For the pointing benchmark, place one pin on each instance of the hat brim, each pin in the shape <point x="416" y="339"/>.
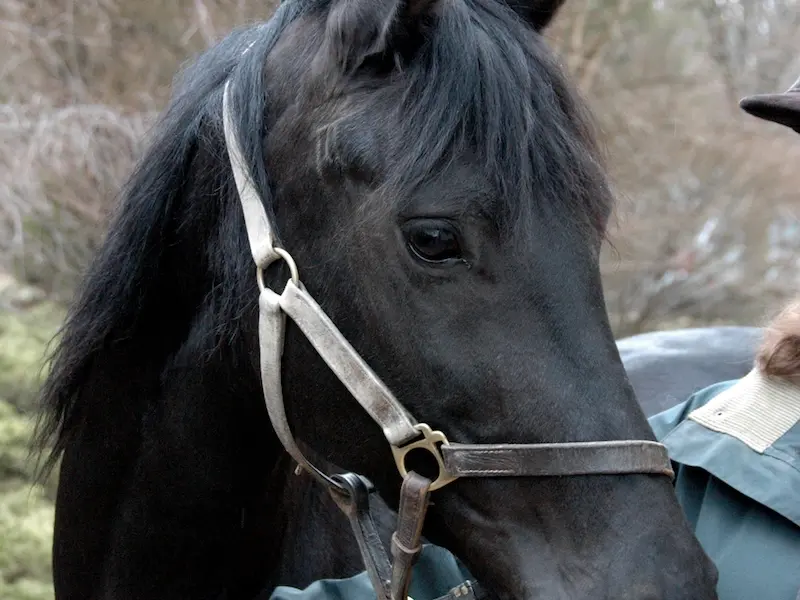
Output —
<point x="783" y="109"/>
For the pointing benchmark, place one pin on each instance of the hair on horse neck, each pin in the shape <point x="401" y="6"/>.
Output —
<point x="127" y="284"/>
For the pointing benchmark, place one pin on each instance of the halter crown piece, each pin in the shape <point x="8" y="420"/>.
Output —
<point x="391" y="578"/>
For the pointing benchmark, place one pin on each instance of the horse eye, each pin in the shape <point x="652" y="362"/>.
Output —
<point x="433" y="241"/>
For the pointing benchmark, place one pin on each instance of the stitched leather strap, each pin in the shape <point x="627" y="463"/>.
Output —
<point x="271" y="329"/>
<point x="617" y="457"/>
<point x="406" y="547"/>
<point x="362" y="382"/>
<point x="391" y="582"/>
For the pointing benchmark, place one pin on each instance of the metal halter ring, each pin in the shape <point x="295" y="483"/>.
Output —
<point x="287" y="258"/>
<point x="428" y="442"/>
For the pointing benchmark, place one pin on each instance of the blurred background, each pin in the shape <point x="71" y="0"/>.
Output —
<point x="706" y="230"/>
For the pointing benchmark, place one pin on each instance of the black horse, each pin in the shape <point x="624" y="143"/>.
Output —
<point x="437" y="181"/>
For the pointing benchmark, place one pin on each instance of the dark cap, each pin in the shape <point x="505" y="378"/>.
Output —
<point x="783" y="109"/>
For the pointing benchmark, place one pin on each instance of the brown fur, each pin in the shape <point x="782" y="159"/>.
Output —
<point x="779" y="354"/>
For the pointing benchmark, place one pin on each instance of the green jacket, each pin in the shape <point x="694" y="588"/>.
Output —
<point x="736" y="452"/>
<point x="436" y="572"/>
<point x="736" y="449"/>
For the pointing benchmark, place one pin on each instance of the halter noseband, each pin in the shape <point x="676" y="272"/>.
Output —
<point x="402" y="431"/>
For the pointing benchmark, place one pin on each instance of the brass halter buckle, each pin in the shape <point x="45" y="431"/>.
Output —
<point x="429" y="442"/>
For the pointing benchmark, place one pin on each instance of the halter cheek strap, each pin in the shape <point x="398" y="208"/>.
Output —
<point x="401" y="430"/>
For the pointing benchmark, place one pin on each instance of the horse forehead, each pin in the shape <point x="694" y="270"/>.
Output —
<point x="463" y="184"/>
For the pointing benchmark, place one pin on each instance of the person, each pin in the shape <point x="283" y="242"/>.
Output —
<point x="735" y="448"/>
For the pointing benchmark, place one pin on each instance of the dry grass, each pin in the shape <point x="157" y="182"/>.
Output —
<point x="58" y="168"/>
<point x="80" y="81"/>
<point x="703" y="187"/>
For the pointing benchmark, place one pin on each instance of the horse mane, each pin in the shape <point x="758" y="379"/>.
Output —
<point x="779" y="353"/>
<point x="138" y="299"/>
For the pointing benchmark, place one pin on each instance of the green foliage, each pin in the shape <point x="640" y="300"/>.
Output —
<point x="26" y="514"/>
<point x="26" y="508"/>
<point x="26" y="529"/>
<point x="15" y="430"/>
<point x="24" y="336"/>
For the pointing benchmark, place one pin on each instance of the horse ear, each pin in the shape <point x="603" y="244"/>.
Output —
<point x="359" y="29"/>
<point x="538" y="13"/>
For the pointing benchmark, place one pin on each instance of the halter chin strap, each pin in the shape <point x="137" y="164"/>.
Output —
<point x="401" y="430"/>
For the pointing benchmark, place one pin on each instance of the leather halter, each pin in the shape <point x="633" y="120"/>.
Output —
<point x="401" y="430"/>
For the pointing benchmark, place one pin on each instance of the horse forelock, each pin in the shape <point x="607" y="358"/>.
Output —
<point x="481" y="83"/>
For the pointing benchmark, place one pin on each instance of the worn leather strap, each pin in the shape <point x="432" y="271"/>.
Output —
<point x="460" y="460"/>
<point x="406" y="546"/>
<point x="259" y="230"/>
<point x="271" y="330"/>
<point x="354" y="503"/>
<point x="617" y="457"/>
<point x="362" y="382"/>
<point x="341" y="357"/>
<point x="352" y="497"/>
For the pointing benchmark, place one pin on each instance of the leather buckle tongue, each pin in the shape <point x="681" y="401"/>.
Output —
<point x="430" y="441"/>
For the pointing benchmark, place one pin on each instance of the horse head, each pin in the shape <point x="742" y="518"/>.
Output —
<point x="435" y="179"/>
